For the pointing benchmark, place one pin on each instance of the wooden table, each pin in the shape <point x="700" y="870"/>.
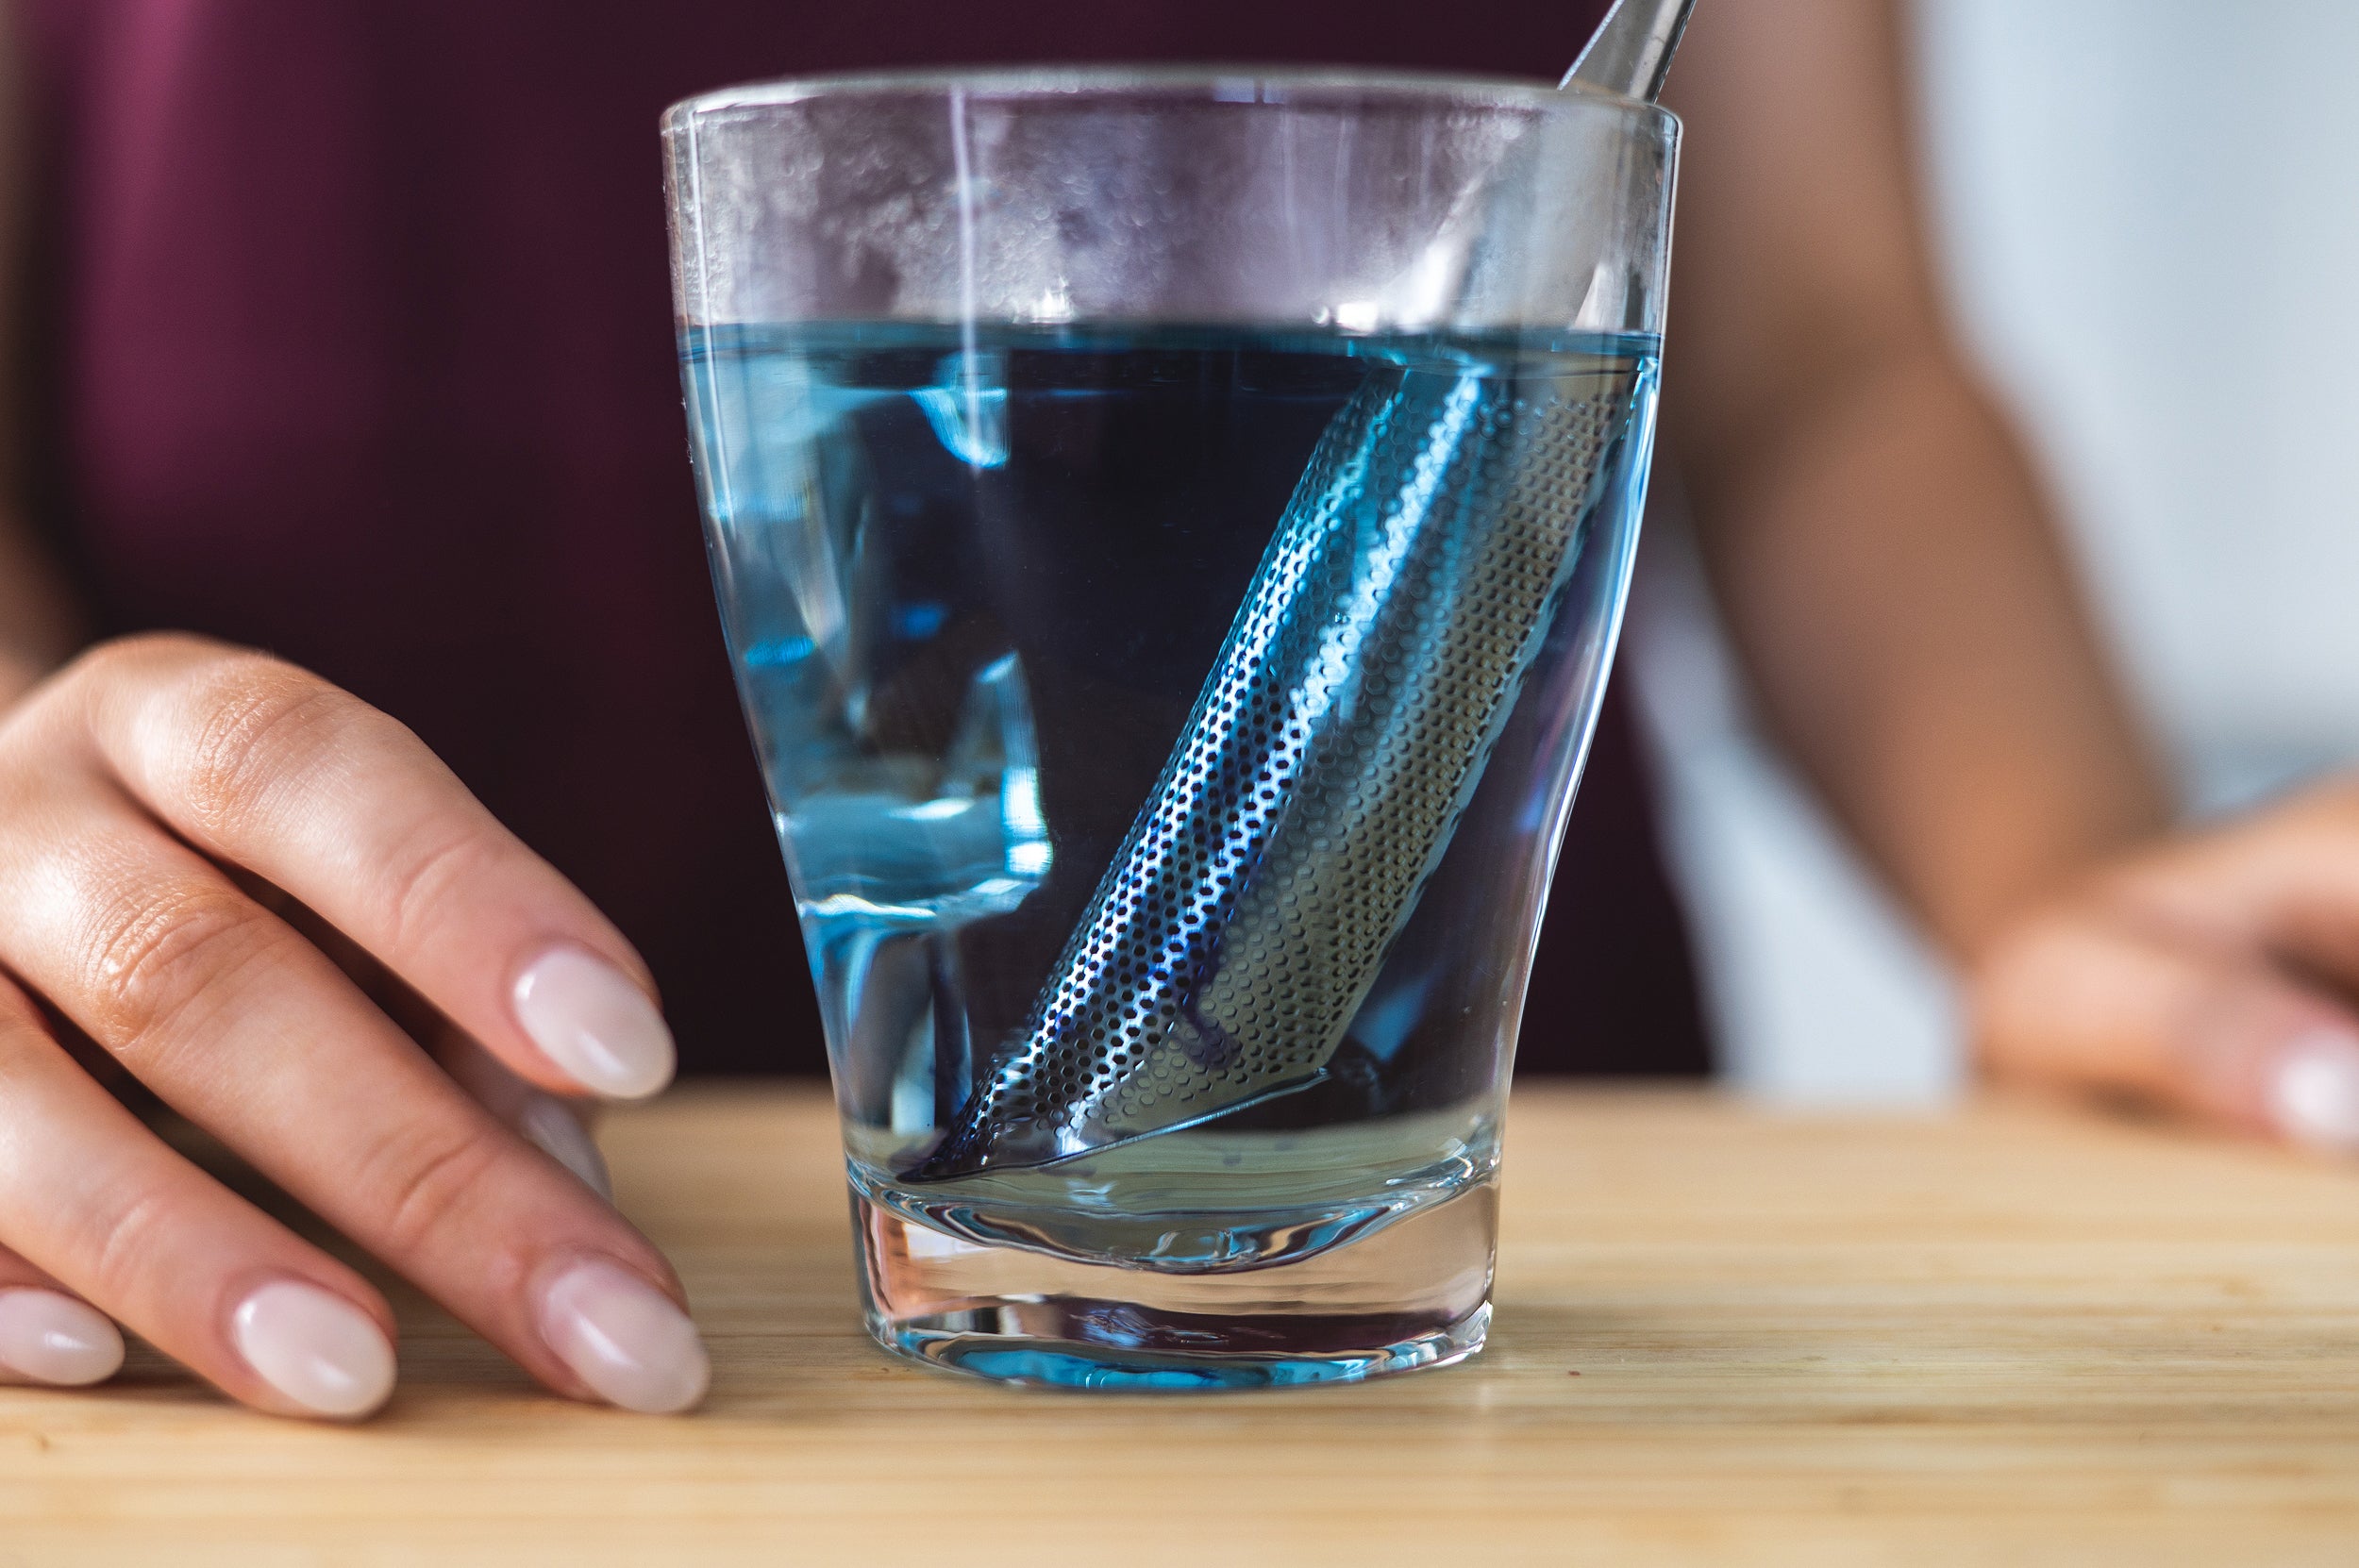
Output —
<point x="1725" y="1336"/>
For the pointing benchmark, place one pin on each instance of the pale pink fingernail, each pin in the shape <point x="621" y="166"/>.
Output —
<point x="558" y="1133"/>
<point x="2314" y="1093"/>
<point x="625" y="1338"/>
<point x="315" y="1347"/>
<point x="51" y="1338"/>
<point x="597" y="1026"/>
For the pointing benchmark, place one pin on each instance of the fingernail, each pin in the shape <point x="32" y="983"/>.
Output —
<point x="625" y="1338"/>
<point x="316" y="1348"/>
<point x="55" y="1339"/>
<point x="588" y="1019"/>
<point x="558" y="1133"/>
<point x="2315" y="1093"/>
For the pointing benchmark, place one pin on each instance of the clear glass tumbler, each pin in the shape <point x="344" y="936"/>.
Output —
<point x="1171" y="529"/>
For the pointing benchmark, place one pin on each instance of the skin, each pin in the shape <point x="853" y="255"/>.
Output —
<point x="216" y="869"/>
<point x="213" y="867"/>
<point x="1896" y="587"/>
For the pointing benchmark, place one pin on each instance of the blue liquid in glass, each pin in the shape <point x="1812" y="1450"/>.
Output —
<point x="973" y="586"/>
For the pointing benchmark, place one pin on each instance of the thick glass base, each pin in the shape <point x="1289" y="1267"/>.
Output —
<point x="1415" y="1293"/>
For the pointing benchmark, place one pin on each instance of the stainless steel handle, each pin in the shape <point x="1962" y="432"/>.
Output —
<point x="1631" y="55"/>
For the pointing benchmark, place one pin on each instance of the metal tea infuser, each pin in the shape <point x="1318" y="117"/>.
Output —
<point x="1343" y="727"/>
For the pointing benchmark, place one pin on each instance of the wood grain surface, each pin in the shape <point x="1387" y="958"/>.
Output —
<point x="2001" y="1335"/>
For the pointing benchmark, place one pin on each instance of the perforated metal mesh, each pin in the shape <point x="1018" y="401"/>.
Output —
<point x="1343" y="727"/>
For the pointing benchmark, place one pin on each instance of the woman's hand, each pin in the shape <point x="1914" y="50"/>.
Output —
<point x="2214" y="975"/>
<point x="174" y="815"/>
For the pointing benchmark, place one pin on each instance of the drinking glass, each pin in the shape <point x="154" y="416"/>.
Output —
<point x="1171" y="529"/>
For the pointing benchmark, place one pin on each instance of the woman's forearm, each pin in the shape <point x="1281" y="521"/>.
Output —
<point x="1876" y="539"/>
<point x="41" y="625"/>
<point x="1915" y="637"/>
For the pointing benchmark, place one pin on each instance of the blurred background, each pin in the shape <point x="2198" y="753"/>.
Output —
<point x="2150" y="217"/>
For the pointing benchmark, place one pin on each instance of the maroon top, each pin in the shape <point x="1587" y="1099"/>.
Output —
<point x="360" y="353"/>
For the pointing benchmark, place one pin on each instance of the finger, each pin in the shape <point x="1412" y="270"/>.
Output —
<point x="251" y="1032"/>
<point x="559" y="1129"/>
<point x="262" y="764"/>
<point x="48" y="1334"/>
<point x="2087" y="1000"/>
<point x="2285" y="883"/>
<point x="93" y="1202"/>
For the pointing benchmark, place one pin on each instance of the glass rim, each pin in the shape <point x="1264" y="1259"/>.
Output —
<point x="1212" y="82"/>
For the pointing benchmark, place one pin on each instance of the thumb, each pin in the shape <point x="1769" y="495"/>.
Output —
<point x="2089" y="1000"/>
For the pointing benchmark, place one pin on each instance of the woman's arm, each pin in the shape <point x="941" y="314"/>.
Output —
<point x="37" y="619"/>
<point x="261" y="899"/>
<point x="1899" y="592"/>
<point x="1886" y="561"/>
<point x="39" y="623"/>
